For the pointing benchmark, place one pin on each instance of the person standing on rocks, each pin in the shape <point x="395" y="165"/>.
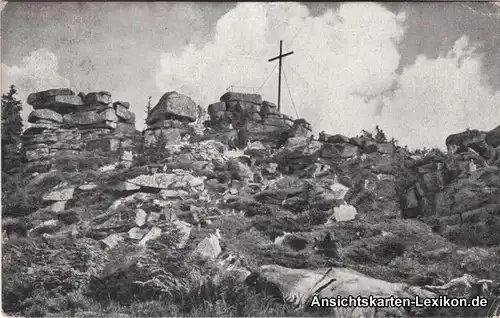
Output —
<point x="242" y="137"/>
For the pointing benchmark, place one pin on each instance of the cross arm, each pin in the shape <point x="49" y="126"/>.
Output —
<point x="280" y="56"/>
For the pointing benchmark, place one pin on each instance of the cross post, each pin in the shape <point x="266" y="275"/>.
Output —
<point x="280" y="56"/>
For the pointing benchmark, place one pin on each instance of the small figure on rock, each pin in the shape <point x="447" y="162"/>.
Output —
<point x="242" y="137"/>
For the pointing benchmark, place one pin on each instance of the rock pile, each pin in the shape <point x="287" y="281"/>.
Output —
<point x="261" y="119"/>
<point x="170" y="119"/>
<point x="64" y="124"/>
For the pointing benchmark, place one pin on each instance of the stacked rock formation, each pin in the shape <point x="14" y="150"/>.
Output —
<point x="261" y="119"/>
<point x="170" y="119"/>
<point x="64" y="124"/>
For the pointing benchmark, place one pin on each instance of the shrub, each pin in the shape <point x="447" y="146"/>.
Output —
<point x="18" y="199"/>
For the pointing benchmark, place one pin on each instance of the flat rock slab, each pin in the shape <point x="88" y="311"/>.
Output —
<point x="63" y="193"/>
<point x="87" y="187"/>
<point x="233" y="96"/>
<point x="90" y="117"/>
<point x="124" y="186"/>
<point x="45" y="114"/>
<point x="40" y="96"/>
<point x="173" y="194"/>
<point x="62" y="103"/>
<point x="168" y="181"/>
<point x="102" y="97"/>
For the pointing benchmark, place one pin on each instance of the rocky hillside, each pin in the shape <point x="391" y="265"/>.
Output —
<point x="243" y="214"/>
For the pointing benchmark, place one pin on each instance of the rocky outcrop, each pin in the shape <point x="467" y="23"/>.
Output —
<point x="260" y="119"/>
<point x="459" y="189"/>
<point x="474" y="140"/>
<point x="66" y="124"/>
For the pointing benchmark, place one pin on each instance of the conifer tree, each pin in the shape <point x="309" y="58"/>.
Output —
<point x="148" y="108"/>
<point x="12" y="128"/>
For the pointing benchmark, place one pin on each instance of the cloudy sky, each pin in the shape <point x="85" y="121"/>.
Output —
<point x="419" y="70"/>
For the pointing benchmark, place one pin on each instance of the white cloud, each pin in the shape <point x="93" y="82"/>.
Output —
<point x="352" y="50"/>
<point x="37" y="72"/>
<point x="439" y="97"/>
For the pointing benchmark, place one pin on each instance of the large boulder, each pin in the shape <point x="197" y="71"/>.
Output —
<point x="492" y="138"/>
<point x="269" y="110"/>
<point x="338" y="150"/>
<point x="300" y="286"/>
<point x="124" y="114"/>
<point x="239" y="170"/>
<point x="45" y="114"/>
<point x="384" y="148"/>
<point x="209" y="247"/>
<point x="217" y="107"/>
<point x="337" y="139"/>
<point x="123" y="104"/>
<point x="90" y="117"/>
<point x="173" y="105"/>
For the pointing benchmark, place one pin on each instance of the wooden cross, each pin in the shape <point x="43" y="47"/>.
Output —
<point x="279" y="78"/>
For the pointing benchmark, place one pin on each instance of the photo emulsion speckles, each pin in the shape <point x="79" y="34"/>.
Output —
<point x="262" y="159"/>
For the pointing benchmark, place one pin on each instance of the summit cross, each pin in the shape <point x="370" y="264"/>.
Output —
<point x="280" y="56"/>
